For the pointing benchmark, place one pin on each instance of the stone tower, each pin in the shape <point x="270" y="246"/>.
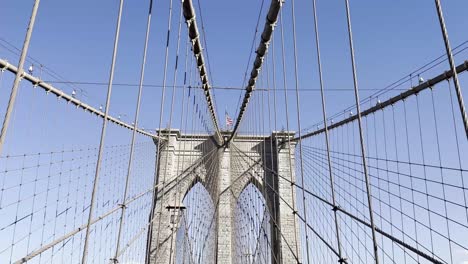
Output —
<point x="183" y="162"/>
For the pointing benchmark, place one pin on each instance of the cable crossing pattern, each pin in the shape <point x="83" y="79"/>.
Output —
<point x="139" y="169"/>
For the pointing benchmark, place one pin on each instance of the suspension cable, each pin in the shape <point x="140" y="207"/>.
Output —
<point x="189" y="14"/>
<point x="361" y="133"/>
<point x="103" y="135"/>
<point x="19" y="74"/>
<point x="135" y="125"/>
<point x="327" y="141"/>
<point x="448" y="49"/>
<point x="262" y="49"/>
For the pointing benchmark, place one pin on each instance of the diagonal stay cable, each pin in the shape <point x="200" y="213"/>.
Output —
<point x="19" y="74"/>
<point x="269" y="186"/>
<point x="394" y="239"/>
<point x="299" y="216"/>
<point x="238" y="164"/>
<point x="400" y="97"/>
<point x="37" y="82"/>
<point x="111" y="211"/>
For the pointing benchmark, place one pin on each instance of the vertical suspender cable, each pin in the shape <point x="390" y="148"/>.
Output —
<point x="327" y="141"/>
<point x="452" y="65"/>
<point x="171" y="113"/>
<point x="19" y="74"/>
<point x="283" y="59"/>
<point x="180" y="164"/>
<point x="135" y="125"/>
<point x="361" y="134"/>
<point x="161" y="113"/>
<point x="158" y="148"/>
<point x="299" y="124"/>
<point x="270" y="128"/>
<point x="103" y="135"/>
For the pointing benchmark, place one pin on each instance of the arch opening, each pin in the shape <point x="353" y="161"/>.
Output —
<point x="252" y="226"/>
<point x="196" y="233"/>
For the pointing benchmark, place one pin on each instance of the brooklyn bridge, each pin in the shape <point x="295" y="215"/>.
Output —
<point x="277" y="131"/>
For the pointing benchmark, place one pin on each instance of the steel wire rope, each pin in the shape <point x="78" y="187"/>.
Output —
<point x="18" y="76"/>
<point x="250" y="53"/>
<point x="288" y="138"/>
<point x="135" y="122"/>
<point x="396" y="209"/>
<point x="361" y="136"/>
<point x="103" y="133"/>
<point x="393" y="86"/>
<point x="451" y="61"/>
<point x="158" y="148"/>
<point x="239" y="165"/>
<point x="439" y="156"/>
<point x="324" y="114"/>
<point x="303" y="220"/>
<point x="174" y="81"/>
<point x="275" y="191"/>
<point x="458" y="151"/>
<point x="181" y="125"/>
<point x="394" y="239"/>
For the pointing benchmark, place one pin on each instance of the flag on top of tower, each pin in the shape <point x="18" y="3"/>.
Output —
<point x="229" y="121"/>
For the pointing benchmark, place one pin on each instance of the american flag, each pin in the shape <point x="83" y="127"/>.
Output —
<point x="228" y="120"/>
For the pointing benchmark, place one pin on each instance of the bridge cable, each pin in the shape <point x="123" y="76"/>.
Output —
<point x="158" y="145"/>
<point x="343" y="172"/>
<point x="19" y="74"/>
<point x="181" y="177"/>
<point x="181" y="125"/>
<point x="135" y="125"/>
<point x="439" y="160"/>
<point x="298" y="116"/>
<point x="290" y="207"/>
<point x="261" y="103"/>
<point x="452" y="65"/>
<point x="172" y="102"/>
<point x="390" y="236"/>
<point x="327" y="141"/>
<point x="252" y="46"/>
<point x="103" y="135"/>
<point x="242" y="175"/>
<point x="255" y="122"/>
<point x="258" y="219"/>
<point x="361" y="135"/>
<point x="400" y="243"/>
<point x="189" y="14"/>
<point x="169" y="127"/>
<point x="270" y="128"/>
<point x="393" y="238"/>
<point x="292" y="178"/>
<point x="459" y="159"/>
<point x="150" y="223"/>
<point x="255" y="225"/>
<point x="71" y="99"/>
<point x="414" y="90"/>
<point x="275" y="141"/>
<point x="265" y="148"/>
<point x="199" y="235"/>
<point x="397" y="169"/>
<point x="262" y="49"/>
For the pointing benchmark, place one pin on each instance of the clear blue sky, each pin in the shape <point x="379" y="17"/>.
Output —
<point x="75" y="39"/>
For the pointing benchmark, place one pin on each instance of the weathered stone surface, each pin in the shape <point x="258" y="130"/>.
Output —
<point x="183" y="162"/>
